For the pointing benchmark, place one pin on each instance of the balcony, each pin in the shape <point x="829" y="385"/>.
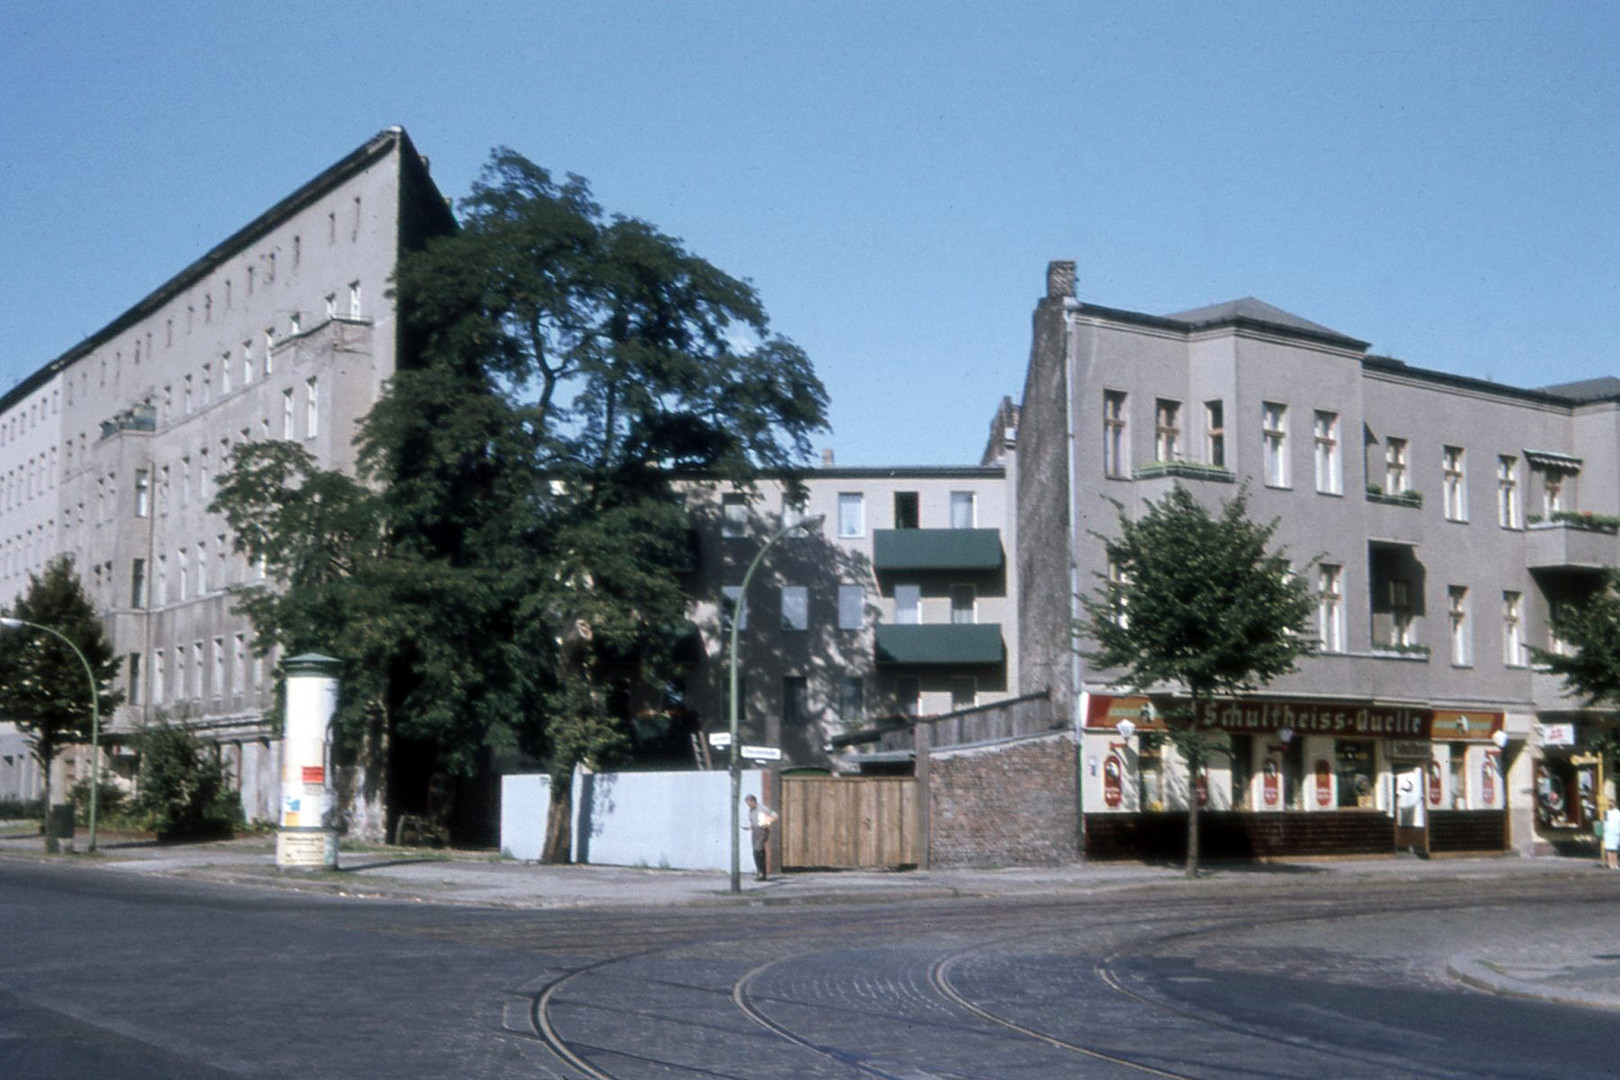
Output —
<point x="1572" y="542"/>
<point x="1183" y="470"/>
<point x="1411" y="499"/>
<point x="936" y="549"/>
<point x="939" y="644"/>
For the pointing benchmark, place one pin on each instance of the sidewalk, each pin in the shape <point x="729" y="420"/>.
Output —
<point x="1548" y="963"/>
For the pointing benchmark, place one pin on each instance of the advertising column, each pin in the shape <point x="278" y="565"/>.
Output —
<point x="307" y="839"/>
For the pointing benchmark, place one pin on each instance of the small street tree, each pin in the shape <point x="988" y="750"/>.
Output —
<point x="1196" y="602"/>
<point x="43" y="689"/>
<point x="1590" y="665"/>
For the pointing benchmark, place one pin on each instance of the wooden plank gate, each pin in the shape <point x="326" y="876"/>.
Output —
<point x="850" y="823"/>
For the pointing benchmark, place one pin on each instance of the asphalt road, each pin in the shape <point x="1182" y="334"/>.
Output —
<point x="107" y="975"/>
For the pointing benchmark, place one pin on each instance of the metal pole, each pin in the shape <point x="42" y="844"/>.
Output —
<point x="95" y="719"/>
<point x="736" y="757"/>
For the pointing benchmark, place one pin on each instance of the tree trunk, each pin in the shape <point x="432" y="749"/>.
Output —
<point x="559" y="818"/>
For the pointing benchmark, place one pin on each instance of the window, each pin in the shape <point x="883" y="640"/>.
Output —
<point x="161" y="593"/>
<point x="312" y="408"/>
<point x="905" y="510"/>
<point x="1462" y="648"/>
<point x="219" y="666"/>
<point x="247" y="361"/>
<point x="1552" y="494"/>
<point x="795" y="607"/>
<point x="160" y="687"/>
<point x="1330" y="607"/>
<point x="198" y="672"/>
<point x="1400" y="610"/>
<point x="224" y="374"/>
<point x="731" y="598"/>
<point x="734" y="515"/>
<point x="182" y="688"/>
<point x="331" y="305"/>
<point x="269" y="345"/>
<point x="851" y="514"/>
<point x="962" y="604"/>
<point x="354" y="299"/>
<point x="202" y="568"/>
<point x="1118" y="579"/>
<point x="962" y="510"/>
<point x="137" y="585"/>
<point x="795" y="702"/>
<point x="851" y="607"/>
<point x="1215" y="432"/>
<point x="1512" y="630"/>
<point x="287" y="413"/>
<point x="185" y="572"/>
<point x="1454" y="490"/>
<point x="186" y="395"/>
<point x="207" y="383"/>
<point x="133" y="683"/>
<point x="239" y="664"/>
<point x="1115" y="446"/>
<point x="792" y="510"/>
<point x="907" y="694"/>
<point x="851" y="701"/>
<point x="163" y="490"/>
<point x="964" y="692"/>
<point x="1329" y="471"/>
<point x="1274" y="442"/>
<point x="295" y="323"/>
<point x="1166" y="430"/>
<point x="143" y="492"/>
<point x="1507" y="492"/>
<point x="1395" y="466"/>
<point x="908" y="604"/>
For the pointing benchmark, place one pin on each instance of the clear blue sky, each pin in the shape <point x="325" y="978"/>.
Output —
<point x="1437" y="178"/>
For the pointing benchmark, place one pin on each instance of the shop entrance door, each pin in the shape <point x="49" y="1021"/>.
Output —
<point x="1411" y="823"/>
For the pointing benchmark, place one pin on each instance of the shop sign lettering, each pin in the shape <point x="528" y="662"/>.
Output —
<point x="1557" y="734"/>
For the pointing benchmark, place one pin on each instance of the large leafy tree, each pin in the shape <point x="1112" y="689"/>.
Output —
<point x="515" y="541"/>
<point x="1200" y="603"/>
<point x="1590" y="665"/>
<point x="43" y="686"/>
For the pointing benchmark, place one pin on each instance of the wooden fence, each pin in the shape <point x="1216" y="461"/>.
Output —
<point x="850" y="823"/>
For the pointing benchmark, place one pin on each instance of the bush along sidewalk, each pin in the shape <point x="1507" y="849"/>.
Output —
<point x="184" y="793"/>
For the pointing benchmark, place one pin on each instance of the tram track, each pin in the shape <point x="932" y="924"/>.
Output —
<point x="829" y="935"/>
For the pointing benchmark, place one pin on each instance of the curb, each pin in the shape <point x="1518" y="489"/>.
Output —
<point x="1471" y="971"/>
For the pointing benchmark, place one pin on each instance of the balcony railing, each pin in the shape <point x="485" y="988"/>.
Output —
<point x="1377" y="494"/>
<point x="1184" y="470"/>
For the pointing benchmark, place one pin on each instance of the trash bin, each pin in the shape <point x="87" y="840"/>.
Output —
<point x="59" y="822"/>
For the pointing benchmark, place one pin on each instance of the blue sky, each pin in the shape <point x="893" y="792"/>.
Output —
<point x="1436" y="178"/>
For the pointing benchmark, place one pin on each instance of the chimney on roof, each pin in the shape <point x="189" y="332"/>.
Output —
<point x="1059" y="278"/>
<point x="827" y="458"/>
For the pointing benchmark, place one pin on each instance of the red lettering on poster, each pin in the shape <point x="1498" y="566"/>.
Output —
<point x="1269" y="784"/>
<point x="1324" y="783"/>
<point x="314" y="774"/>
<point x="1432" y="773"/>
<point x="1487" y="778"/>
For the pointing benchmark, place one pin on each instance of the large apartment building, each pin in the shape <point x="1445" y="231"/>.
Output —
<point x="1448" y="517"/>
<point x="109" y="452"/>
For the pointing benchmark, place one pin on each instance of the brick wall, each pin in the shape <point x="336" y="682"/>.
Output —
<point x="1009" y="804"/>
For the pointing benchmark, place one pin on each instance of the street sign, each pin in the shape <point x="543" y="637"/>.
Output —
<point x="761" y="753"/>
<point x="719" y="739"/>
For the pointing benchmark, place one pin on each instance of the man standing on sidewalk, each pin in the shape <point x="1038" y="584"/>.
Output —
<point x="760" y="820"/>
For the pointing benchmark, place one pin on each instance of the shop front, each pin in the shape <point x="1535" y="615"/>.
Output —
<point x="1293" y="777"/>
<point x="1572" y="787"/>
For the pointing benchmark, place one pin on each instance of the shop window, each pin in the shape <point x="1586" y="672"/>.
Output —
<point x="1241" y="765"/>
<point x="1457" y="795"/>
<point x="1353" y="767"/>
<point x="1150" y="772"/>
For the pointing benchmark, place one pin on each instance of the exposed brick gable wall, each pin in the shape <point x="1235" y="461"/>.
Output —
<point x="1008" y="804"/>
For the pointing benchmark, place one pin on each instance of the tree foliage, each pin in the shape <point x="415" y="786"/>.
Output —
<point x="183" y="791"/>
<point x="1590" y="666"/>
<point x="43" y="686"/>
<point x="1200" y="603"/>
<point x="515" y="539"/>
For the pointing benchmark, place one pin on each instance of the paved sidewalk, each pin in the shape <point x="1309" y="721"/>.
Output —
<point x="1551" y="963"/>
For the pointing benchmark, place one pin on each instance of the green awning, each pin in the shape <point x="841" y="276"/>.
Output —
<point x="936" y="549"/>
<point x="939" y="643"/>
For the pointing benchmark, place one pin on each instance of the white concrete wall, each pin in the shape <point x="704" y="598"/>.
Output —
<point x="669" y="820"/>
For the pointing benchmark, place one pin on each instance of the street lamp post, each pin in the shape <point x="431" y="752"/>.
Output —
<point x="95" y="719"/>
<point x="735" y="750"/>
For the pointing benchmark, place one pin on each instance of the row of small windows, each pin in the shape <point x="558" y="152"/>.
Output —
<point x="1395" y="614"/>
<point x="35" y="477"/>
<point x="29" y="416"/>
<point x="851" y="512"/>
<point x="217" y="669"/>
<point x="26" y="552"/>
<point x="199" y="570"/>
<point x="851" y="614"/>
<point x="1327" y="447"/>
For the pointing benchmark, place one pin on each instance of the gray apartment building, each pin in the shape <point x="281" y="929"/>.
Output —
<point x="897" y="602"/>
<point x="1448" y="517"/>
<point x="109" y="452"/>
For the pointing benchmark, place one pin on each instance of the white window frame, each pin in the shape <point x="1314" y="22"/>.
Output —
<point x="1397" y="474"/>
<point x="1329" y="461"/>
<point x="1507" y="492"/>
<point x="1274" y="442"/>
<point x="795" y="608"/>
<point x="907" y="604"/>
<point x="851" y="514"/>
<point x="1454" y="482"/>
<point x="1513" y="654"/>
<point x="1330" y="607"/>
<point x="312" y="407"/>
<point x="1461" y="627"/>
<point x="964" y="510"/>
<point x="1215" y="432"/>
<point x="1166" y="429"/>
<point x="1116" y="431"/>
